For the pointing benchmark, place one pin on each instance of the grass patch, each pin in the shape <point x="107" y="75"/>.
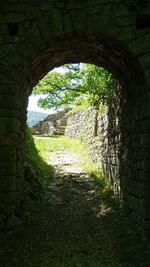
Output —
<point x="45" y="145"/>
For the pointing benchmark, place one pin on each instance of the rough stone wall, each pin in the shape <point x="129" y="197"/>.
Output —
<point x="36" y="36"/>
<point x="115" y="150"/>
<point x="94" y="128"/>
<point x="53" y="123"/>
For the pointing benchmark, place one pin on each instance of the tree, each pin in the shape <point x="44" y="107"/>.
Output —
<point x="77" y="82"/>
<point x="60" y="89"/>
<point x="99" y="84"/>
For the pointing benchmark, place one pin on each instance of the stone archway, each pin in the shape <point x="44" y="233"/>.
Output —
<point x="39" y="36"/>
<point x="110" y="54"/>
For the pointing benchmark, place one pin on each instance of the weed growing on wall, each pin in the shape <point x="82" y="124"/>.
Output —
<point x="37" y="173"/>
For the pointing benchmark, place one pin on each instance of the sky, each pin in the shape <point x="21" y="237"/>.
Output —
<point x="32" y="105"/>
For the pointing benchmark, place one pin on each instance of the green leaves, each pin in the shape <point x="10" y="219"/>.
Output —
<point x="77" y="81"/>
<point x="100" y="85"/>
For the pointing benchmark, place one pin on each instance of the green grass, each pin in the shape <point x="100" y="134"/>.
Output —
<point x="45" y="145"/>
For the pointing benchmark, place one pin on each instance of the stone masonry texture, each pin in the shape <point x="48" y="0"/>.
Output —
<point x="35" y="37"/>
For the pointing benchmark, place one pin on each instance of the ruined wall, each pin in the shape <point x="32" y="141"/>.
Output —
<point x="93" y="127"/>
<point x="53" y="124"/>
<point x="111" y="146"/>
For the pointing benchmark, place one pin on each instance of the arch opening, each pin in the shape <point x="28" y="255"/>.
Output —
<point x="102" y="51"/>
<point x="108" y="53"/>
<point x="92" y="117"/>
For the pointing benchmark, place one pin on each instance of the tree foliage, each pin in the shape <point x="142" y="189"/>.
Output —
<point x="77" y="83"/>
<point x="99" y="84"/>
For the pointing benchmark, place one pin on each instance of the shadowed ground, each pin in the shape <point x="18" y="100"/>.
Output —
<point x="80" y="225"/>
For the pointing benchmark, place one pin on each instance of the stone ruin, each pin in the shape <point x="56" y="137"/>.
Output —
<point x="53" y="124"/>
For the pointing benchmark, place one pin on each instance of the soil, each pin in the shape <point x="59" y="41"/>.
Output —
<point x="77" y="226"/>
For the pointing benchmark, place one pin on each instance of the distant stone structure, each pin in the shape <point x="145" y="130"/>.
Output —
<point x="52" y="124"/>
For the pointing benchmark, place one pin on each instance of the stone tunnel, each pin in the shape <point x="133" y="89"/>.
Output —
<point x="35" y="37"/>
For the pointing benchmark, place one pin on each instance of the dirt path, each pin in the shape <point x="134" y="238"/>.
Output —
<point x="76" y="227"/>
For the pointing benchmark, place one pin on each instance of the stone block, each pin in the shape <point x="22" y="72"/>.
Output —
<point x="11" y="113"/>
<point x="16" y="60"/>
<point x="8" y="197"/>
<point x="45" y="5"/>
<point x="11" y="141"/>
<point x="5" y="50"/>
<point x="3" y="28"/>
<point x="10" y="101"/>
<point x="126" y="21"/>
<point x="140" y="45"/>
<point x="8" y="168"/>
<point x="7" y="154"/>
<point x="57" y="22"/>
<point x="33" y="35"/>
<point x="8" y="183"/>
<point x="74" y="5"/>
<point x="8" y="208"/>
<point x="136" y="204"/>
<point x="13" y="17"/>
<point x="147" y="74"/>
<point x="9" y="125"/>
<point x="145" y="110"/>
<point x="23" y="51"/>
<point x="127" y="34"/>
<point x="33" y="12"/>
<point x="136" y="188"/>
<point x="145" y="153"/>
<point x="67" y="23"/>
<point x="144" y="60"/>
<point x="78" y="18"/>
<point x="45" y="29"/>
<point x="145" y="140"/>
<point x="120" y="10"/>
